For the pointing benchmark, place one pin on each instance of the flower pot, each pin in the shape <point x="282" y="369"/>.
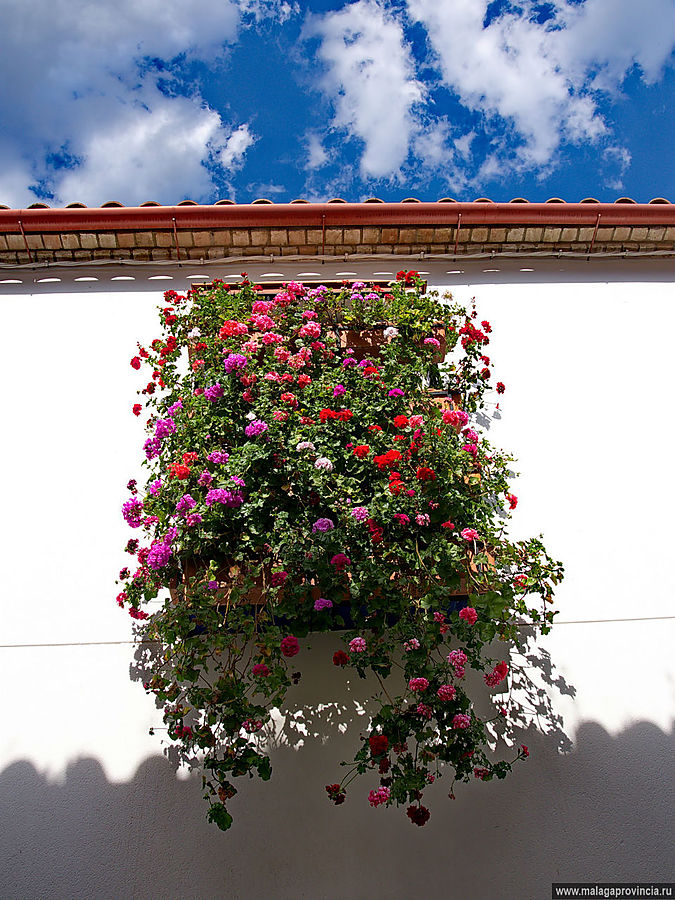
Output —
<point x="228" y="576"/>
<point x="474" y="570"/>
<point x="445" y="400"/>
<point x="365" y="343"/>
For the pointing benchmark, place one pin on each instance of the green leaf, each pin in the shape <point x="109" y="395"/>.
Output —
<point x="219" y="816"/>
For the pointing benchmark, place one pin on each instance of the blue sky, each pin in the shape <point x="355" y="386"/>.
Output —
<point x="171" y="99"/>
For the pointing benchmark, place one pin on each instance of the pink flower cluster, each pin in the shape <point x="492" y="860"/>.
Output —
<point x="461" y="721"/>
<point x="357" y="645"/>
<point x="469" y="615"/>
<point x="458" y="660"/>
<point x="376" y="798"/>
<point x="446" y="693"/>
<point x="417" y="685"/>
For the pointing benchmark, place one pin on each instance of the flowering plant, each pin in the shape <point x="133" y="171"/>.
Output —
<point x="295" y="488"/>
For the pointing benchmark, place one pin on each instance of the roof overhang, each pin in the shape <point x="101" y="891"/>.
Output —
<point x="227" y="231"/>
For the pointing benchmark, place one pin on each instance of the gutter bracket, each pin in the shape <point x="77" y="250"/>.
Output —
<point x="25" y="241"/>
<point x="175" y="237"/>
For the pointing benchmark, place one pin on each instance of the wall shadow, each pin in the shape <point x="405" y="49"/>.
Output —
<point x="601" y="811"/>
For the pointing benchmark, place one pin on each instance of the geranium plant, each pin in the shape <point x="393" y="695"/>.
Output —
<point x="294" y="487"/>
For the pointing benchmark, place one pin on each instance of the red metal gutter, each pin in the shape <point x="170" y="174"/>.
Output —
<point x="326" y="215"/>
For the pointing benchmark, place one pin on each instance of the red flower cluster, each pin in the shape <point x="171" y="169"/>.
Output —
<point x="135" y="363"/>
<point x="388" y="459"/>
<point x="336" y="794"/>
<point x="289" y="646"/>
<point x="379" y="744"/>
<point x="376" y="532"/>
<point x="472" y="335"/>
<point x="419" y="815"/>
<point x="231" y="327"/>
<point x="178" y="470"/>
<point x="342" y="415"/>
<point x="407" y="277"/>
<point x="497" y="675"/>
<point x="500" y="387"/>
<point x="361" y="451"/>
<point x="425" y="474"/>
<point x="340" y="658"/>
<point x="170" y="347"/>
<point x="400" y="421"/>
<point x="137" y="409"/>
<point x="395" y="483"/>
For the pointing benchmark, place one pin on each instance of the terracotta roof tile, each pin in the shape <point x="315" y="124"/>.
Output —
<point x="226" y="230"/>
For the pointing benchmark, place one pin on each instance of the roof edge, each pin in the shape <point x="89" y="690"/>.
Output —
<point x="313" y="215"/>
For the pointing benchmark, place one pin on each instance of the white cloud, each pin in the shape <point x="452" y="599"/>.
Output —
<point x="509" y="70"/>
<point x="316" y="152"/>
<point x="541" y="79"/>
<point x="370" y="79"/>
<point x="232" y="154"/>
<point x="610" y="36"/>
<point x="77" y="90"/>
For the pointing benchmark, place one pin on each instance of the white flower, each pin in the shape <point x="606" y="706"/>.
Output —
<point x="305" y="445"/>
<point x="324" y="463"/>
<point x="390" y="332"/>
<point x="250" y="416"/>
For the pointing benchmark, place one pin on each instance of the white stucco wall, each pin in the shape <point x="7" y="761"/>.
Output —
<point x="90" y="807"/>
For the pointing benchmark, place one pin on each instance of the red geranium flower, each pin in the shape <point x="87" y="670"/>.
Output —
<point x="388" y="458"/>
<point x="361" y="451"/>
<point x="419" y="815"/>
<point x="177" y="470"/>
<point x="135" y="363"/>
<point x="137" y="409"/>
<point x="340" y="658"/>
<point x="379" y="744"/>
<point x="290" y="646"/>
<point x="501" y="387"/>
<point x="425" y="474"/>
<point x="400" y="421"/>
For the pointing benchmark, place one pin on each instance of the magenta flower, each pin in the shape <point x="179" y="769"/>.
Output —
<point x="323" y="525"/>
<point x="469" y="534"/>
<point x="233" y="362"/>
<point x="132" y="510"/>
<point x="360" y="513"/>
<point x="322" y="603"/>
<point x="256" y="428"/>
<point x="340" y="561"/>
<point x="214" y="392"/>
<point x="417" y="685"/>
<point x="185" y="503"/>
<point x="218" y="456"/>
<point x="357" y="645"/>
